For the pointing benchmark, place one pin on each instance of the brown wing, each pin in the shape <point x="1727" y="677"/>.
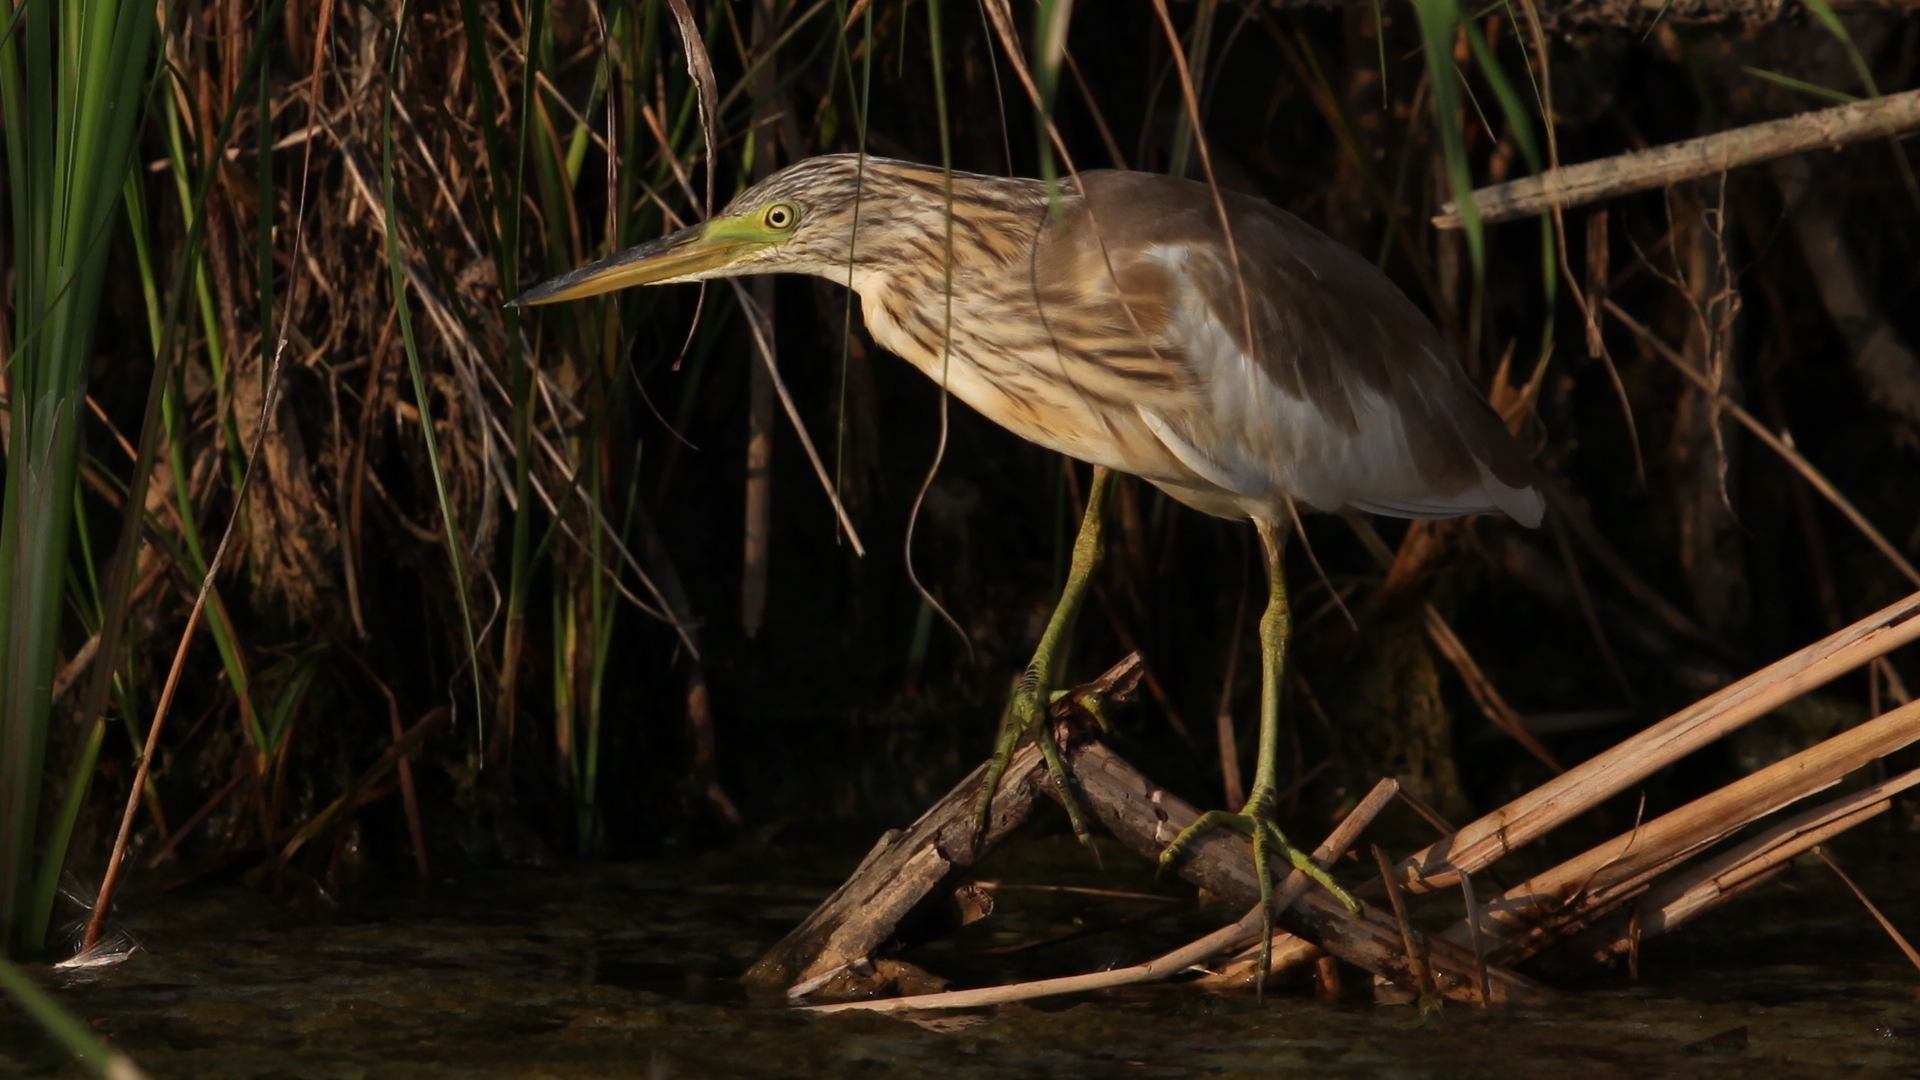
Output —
<point x="1340" y="350"/>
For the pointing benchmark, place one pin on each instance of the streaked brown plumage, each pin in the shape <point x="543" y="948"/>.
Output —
<point x="1350" y="398"/>
<point x="1107" y="324"/>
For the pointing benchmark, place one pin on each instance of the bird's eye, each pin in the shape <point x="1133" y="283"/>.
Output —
<point x="781" y="216"/>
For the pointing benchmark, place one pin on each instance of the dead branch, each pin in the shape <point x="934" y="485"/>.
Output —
<point x="1164" y="967"/>
<point x="1146" y="817"/>
<point x="905" y="867"/>
<point x="1661" y="166"/>
<point x="902" y="870"/>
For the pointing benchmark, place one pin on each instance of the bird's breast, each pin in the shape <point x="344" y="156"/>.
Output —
<point x="1026" y="369"/>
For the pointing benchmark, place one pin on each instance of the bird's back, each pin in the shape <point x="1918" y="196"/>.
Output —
<point x="1131" y="350"/>
<point x="1333" y="388"/>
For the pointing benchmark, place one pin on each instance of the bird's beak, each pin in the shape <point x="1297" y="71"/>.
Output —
<point x="687" y="255"/>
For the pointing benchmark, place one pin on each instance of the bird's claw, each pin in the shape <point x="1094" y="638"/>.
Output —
<point x="1253" y="823"/>
<point x="1265" y="836"/>
<point x="1026" y="716"/>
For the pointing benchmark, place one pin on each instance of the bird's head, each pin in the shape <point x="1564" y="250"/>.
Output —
<point x="799" y="220"/>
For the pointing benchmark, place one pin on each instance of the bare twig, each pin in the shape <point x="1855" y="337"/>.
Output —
<point x="1492" y="704"/>
<point x="1774" y="442"/>
<point x="1885" y="923"/>
<point x="1661" y="166"/>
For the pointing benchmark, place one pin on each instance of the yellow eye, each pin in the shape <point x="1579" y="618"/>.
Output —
<point x="781" y="216"/>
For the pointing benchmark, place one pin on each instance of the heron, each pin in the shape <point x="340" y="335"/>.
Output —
<point x="1207" y="342"/>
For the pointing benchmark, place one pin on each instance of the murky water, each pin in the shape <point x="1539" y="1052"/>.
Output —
<point x="628" y="970"/>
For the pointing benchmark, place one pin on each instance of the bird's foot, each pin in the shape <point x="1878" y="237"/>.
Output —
<point x="1255" y="821"/>
<point x="1026" y="715"/>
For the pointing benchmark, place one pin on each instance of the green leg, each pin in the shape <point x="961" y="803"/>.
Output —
<point x="1256" y="818"/>
<point x="1033" y="691"/>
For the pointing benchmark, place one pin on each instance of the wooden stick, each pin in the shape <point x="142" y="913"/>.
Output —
<point x="1599" y="778"/>
<point x="1164" y="967"/>
<point x="1699" y="889"/>
<point x="1551" y="906"/>
<point x="1774" y="442"/>
<point x="1661" y="166"/>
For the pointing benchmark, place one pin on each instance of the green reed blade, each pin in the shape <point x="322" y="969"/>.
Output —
<point x="1521" y="122"/>
<point x="1439" y="19"/>
<point x="71" y="90"/>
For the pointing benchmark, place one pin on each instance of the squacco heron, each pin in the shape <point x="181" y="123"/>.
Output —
<point x="1105" y="321"/>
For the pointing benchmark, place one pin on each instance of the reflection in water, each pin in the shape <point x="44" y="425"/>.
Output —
<point x="629" y="970"/>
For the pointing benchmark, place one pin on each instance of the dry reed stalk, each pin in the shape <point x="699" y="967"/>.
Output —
<point x="1493" y="704"/>
<point x="1161" y="968"/>
<point x="1558" y="903"/>
<point x="1580" y="523"/>
<point x="1755" y="861"/>
<point x="416" y="832"/>
<point x="352" y="798"/>
<point x="103" y="898"/>
<point x="1579" y="789"/>
<point x="1484" y="841"/>
<point x="758" y="541"/>
<point x="1662" y="166"/>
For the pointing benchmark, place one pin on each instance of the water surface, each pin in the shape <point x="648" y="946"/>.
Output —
<point x="628" y="969"/>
